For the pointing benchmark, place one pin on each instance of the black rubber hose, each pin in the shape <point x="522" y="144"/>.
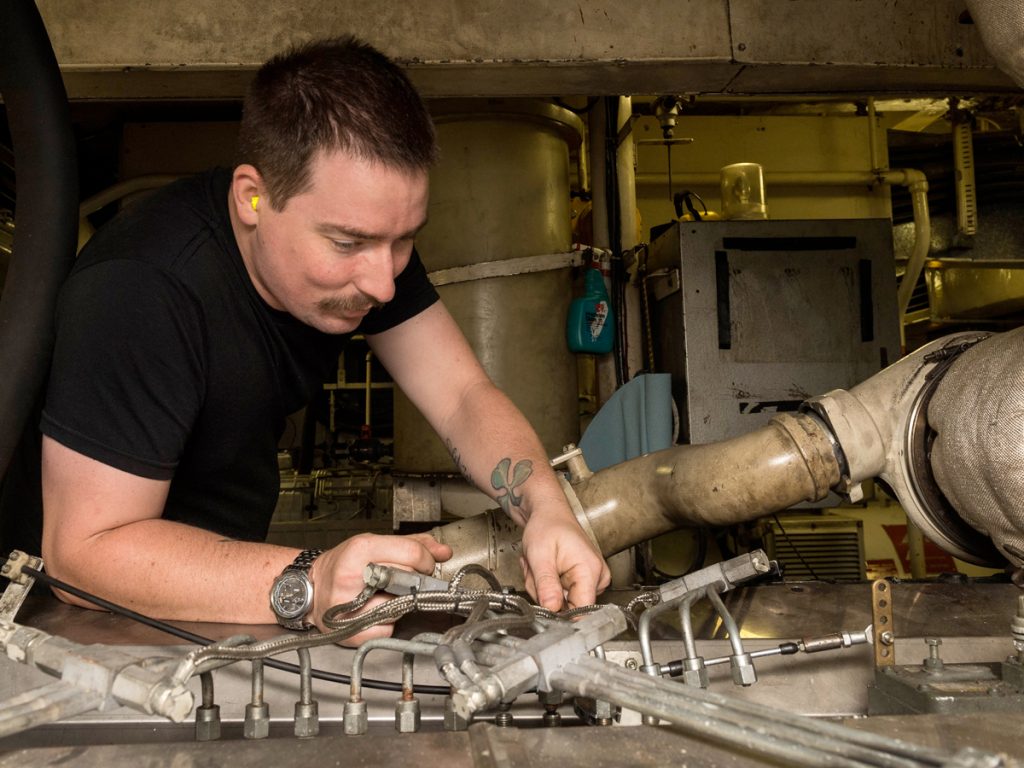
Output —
<point x="46" y="216"/>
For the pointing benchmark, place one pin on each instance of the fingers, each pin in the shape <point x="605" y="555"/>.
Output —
<point x="419" y="552"/>
<point x="548" y="588"/>
<point x="338" y="574"/>
<point x="378" y="630"/>
<point x="440" y="552"/>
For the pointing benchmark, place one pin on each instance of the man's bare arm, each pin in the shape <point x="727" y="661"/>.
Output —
<point x="102" y="532"/>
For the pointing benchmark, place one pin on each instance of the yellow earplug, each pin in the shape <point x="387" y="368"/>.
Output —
<point x="255" y="201"/>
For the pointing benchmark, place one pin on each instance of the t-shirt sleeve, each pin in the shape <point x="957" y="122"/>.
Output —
<point x="127" y="378"/>
<point x="413" y="293"/>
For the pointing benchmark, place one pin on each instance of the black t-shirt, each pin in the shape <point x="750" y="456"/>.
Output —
<point x="169" y="365"/>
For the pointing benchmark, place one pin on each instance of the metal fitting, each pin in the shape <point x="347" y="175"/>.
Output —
<point x="695" y="673"/>
<point x="504" y="719"/>
<point x="453" y="721"/>
<point x="550" y="698"/>
<point x="934" y="662"/>
<point x="257" y="721"/>
<point x="605" y="713"/>
<point x="729" y="573"/>
<point x="208" y="723"/>
<point x="596" y="712"/>
<point x="743" y="672"/>
<point x="355" y="719"/>
<point x="396" y="581"/>
<point x="407" y="715"/>
<point x="307" y="719"/>
<point x="1017" y="627"/>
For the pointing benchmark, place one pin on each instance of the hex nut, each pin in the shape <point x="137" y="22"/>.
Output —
<point x="407" y="715"/>
<point x="743" y="673"/>
<point x="453" y="721"/>
<point x="605" y="713"/>
<point x="307" y="719"/>
<point x="698" y="678"/>
<point x="208" y="723"/>
<point x="550" y="698"/>
<point x="257" y="721"/>
<point x="355" y="718"/>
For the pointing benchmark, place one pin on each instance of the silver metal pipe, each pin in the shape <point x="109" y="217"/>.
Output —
<point x="795" y="739"/>
<point x="46" y="704"/>
<point x="686" y="624"/>
<point x="305" y="676"/>
<point x="727" y="620"/>
<point x="387" y="644"/>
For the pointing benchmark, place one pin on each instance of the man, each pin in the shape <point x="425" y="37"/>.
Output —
<point x="197" y="320"/>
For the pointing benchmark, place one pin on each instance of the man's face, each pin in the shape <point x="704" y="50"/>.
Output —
<point x="334" y="251"/>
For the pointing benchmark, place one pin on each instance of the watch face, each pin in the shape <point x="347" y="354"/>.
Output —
<point x="291" y="596"/>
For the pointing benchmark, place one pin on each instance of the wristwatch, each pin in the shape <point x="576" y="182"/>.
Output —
<point x="291" y="596"/>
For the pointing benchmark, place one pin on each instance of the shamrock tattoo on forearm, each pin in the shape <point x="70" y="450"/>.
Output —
<point x="506" y="485"/>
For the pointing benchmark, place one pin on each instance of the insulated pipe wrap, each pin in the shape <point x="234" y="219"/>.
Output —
<point x="1001" y="25"/>
<point x="977" y="412"/>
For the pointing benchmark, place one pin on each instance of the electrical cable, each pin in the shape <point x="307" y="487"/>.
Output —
<point x="182" y="634"/>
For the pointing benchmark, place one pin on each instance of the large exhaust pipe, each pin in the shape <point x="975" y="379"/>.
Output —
<point x="790" y="460"/>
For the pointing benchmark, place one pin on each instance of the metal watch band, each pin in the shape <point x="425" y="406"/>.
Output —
<point x="294" y="617"/>
<point x="304" y="560"/>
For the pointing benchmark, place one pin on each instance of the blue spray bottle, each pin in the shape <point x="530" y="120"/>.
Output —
<point x="590" y="326"/>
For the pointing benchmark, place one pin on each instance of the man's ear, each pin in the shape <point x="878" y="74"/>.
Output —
<point x="248" y="194"/>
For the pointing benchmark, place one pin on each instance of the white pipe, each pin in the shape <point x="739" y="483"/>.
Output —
<point x="916" y="182"/>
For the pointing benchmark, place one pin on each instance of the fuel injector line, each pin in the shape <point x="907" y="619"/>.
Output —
<point x="728" y="621"/>
<point x="191" y="637"/>
<point x="387" y="644"/>
<point x="686" y="623"/>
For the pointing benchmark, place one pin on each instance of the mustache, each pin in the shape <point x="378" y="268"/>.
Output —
<point x="340" y="304"/>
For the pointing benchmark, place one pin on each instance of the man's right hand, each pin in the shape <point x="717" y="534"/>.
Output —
<point x="337" y="575"/>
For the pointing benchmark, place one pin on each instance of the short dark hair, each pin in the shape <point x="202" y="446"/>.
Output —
<point x="335" y="94"/>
